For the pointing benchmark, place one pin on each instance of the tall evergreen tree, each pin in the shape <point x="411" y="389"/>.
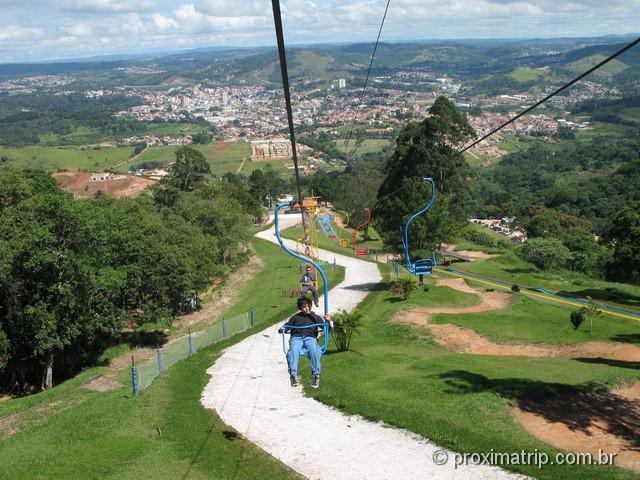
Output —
<point x="427" y="149"/>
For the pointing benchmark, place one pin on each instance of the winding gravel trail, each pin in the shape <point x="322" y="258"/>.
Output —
<point x="249" y="389"/>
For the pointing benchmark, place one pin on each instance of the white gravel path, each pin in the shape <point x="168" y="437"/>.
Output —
<point x="249" y="389"/>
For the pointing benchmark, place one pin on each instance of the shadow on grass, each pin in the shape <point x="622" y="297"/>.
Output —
<point x="579" y="407"/>
<point x="394" y="300"/>
<point x="521" y="270"/>
<point x="152" y="338"/>
<point x="612" y="363"/>
<point x="607" y="295"/>
<point x="366" y="287"/>
<point x="626" y="338"/>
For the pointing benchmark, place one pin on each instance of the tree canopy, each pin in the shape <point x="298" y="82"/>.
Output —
<point x="427" y="149"/>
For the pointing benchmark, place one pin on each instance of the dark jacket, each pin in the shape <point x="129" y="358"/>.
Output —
<point x="301" y="320"/>
<point x="308" y="278"/>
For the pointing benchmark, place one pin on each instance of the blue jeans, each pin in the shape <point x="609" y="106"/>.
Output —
<point x="313" y="352"/>
<point x="312" y="289"/>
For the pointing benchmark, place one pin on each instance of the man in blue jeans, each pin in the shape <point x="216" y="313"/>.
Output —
<point x="304" y="337"/>
<point x="308" y="284"/>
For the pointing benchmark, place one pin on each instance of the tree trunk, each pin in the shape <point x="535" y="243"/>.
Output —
<point x="47" y="374"/>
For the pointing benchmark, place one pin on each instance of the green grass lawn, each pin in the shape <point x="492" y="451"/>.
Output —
<point x="93" y="159"/>
<point x="532" y="321"/>
<point x="325" y="243"/>
<point x="512" y="143"/>
<point x="630" y="113"/>
<point x="174" y="129"/>
<point x="222" y="158"/>
<point x="367" y="145"/>
<point x="525" y="74"/>
<point x="396" y="374"/>
<point x="72" y="432"/>
<point x="510" y="268"/>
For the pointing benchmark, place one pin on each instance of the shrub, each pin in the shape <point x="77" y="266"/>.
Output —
<point x="404" y="287"/>
<point x="478" y="237"/>
<point x="577" y="317"/>
<point x="545" y="253"/>
<point x="515" y="288"/>
<point x="345" y="324"/>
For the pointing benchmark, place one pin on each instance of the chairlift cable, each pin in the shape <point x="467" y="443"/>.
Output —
<point x="277" y="18"/>
<point x="553" y="94"/>
<point x="366" y="80"/>
<point x="537" y="104"/>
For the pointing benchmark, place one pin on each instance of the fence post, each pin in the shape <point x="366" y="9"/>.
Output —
<point x="334" y="264"/>
<point x="191" y="350"/>
<point x="224" y="328"/>
<point x="252" y="316"/>
<point x="134" y="378"/>
<point x="134" y="381"/>
<point x="159" y="358"/>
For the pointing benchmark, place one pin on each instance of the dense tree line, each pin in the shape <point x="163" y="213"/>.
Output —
<point x="73" y="271"/>
<point x="592" y="180"/>
<point x="26" y="117"/>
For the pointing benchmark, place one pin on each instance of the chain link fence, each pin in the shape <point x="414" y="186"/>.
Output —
<point x="144" y="374"/>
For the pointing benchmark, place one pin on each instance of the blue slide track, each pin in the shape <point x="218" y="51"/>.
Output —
<point x="324" y="222"/>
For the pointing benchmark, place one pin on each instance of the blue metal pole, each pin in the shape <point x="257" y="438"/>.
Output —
<point x="405" y="234"/>
<point x="134" y="381"/>
<point x="325" y="282"/>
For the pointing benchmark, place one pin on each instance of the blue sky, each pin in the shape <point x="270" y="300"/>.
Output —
<point x="35" y="30"/>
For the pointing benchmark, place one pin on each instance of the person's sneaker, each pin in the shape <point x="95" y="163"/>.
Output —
<point x="316" y="304"/>
<point x="294" y="381"/>
<point x="315" y="381"/>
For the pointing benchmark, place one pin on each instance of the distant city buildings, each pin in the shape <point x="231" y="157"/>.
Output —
<point x="275" y="149"/>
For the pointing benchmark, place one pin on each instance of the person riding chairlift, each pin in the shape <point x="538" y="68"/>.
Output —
<point x="308" y="284"/>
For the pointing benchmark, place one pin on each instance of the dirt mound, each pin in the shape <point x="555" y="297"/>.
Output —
<point x="81" y="185"/>
<point x="473" y="255"/>
<point x="588" y="421"/>
<point x="489" y="301"/>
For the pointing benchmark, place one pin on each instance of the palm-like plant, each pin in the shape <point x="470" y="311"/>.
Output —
<point x="345" y="324"/>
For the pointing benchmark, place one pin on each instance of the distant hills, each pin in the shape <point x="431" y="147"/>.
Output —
<point x="516" y="61"/>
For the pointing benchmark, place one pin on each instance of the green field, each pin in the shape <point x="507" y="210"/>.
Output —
<point x="512" y="143"/>
<point x="525" y="74"/>
<point x="630" y="113"/>
<point x="90" y="158"/>
<point x="368" y="145"/>
<point x="173" y="129"/>
<point x="510" y="268"/>
<point x="222" y="157"/>
<point x="607" y="71"/>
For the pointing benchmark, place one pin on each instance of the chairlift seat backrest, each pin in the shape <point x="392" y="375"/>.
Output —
<point x="424" y="266"/>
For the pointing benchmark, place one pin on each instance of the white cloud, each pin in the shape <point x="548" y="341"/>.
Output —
<point x="162" y="22"/>
<point x="15" y="33"/>
<point x="32" y="29"/>
<point x="107" y="5"/>
<point x="81" y="30"/>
